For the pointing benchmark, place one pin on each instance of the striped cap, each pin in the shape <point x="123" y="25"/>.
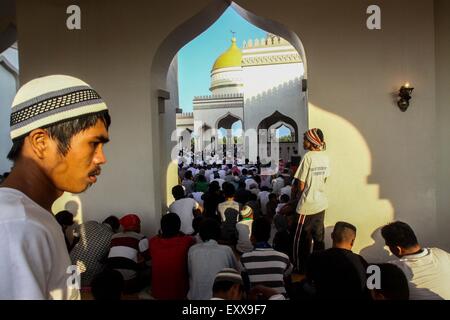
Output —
<point x="313" y="137"/>
<point x="52" y="99"/>
<point x="229" y="275"/>
<point x="246" y="211"/>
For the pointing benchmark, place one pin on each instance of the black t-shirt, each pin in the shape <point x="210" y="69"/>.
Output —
<point x="338" y="274"/>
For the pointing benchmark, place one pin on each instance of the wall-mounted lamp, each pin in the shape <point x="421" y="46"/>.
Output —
<point x="405" y="95"/>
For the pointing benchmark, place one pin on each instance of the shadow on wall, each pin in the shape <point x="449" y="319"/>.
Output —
<point x="376" y="253"/>
<point x="351" y="198"/>
<point x="71" y="203"/>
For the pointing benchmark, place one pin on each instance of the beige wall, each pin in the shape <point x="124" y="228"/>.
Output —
<point x="442" y="11"/>
<point x="384" y="161"/>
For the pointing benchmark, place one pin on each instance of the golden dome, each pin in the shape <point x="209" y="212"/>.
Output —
<point x="230" y="58"/>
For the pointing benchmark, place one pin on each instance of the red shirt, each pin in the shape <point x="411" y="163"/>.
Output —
<point x="170" y="279"/>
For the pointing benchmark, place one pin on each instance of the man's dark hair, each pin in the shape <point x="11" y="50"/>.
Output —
<point x="107" y="285"/>
<point x="170" y="225"/>
<point x="228" y="190"/>
<point x="214" y="186"/>
<point x="394" y="285"/>
<point x="272" y="196"/>
<point x="222" y="286"/>
<point x="63" y="132"/>
<point x="178" y="192"/>
<point x="244" y="172"/>
<point x="188" y="175"/>
<point x="284" y="198"/>
<point x="196" y="223"/>
<point x="114" y="222"/>
<point x="261" y="230"/>
<point x="209" y="229"/>
<point x="64" y="218"/>
<point x="343" y="232"/>
<point x="399" y="234"/>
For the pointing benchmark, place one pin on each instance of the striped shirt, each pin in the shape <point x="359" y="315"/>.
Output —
<point x="267" y="267"/>
<point x="124" y="251"/>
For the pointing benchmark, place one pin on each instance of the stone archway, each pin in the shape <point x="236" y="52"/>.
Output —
<point x="168" y="49"/>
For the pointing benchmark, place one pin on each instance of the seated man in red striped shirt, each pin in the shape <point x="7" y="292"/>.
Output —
<point x="126" y="253"/>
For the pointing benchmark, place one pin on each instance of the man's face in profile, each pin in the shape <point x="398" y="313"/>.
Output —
<point x="79" y="168"/>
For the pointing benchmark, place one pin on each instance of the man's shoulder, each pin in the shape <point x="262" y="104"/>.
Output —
<point x="17" y="208"/>
<point x="439" y="252"/>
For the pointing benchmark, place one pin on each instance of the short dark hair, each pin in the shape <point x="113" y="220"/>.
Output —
<point x="178" y="192"/>
<point x="284" y="198"/>
<point x="399" y="234"/>
<point x="64" y="218"/>
<point x="341" y="232"/>
<point x="394" y="285"/>
<point x="188" y="174"/>
<point x="228" y="190"/>
<point x="170" y="225"/>
<point x="209" y="229"/>
<point x="107" y="285"/>
<point x="63" y="132"/>
<point x="261" y="229"/>
<point x="196" y="223"/>
<point x="222" y="286"/>
<point x="113" y="221"/>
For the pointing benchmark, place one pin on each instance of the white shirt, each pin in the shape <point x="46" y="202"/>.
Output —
<point x="277" y="184"/>
<point x="222" y="174"/>
<point x="249" y="182"/>
<point x="205" y="260"/>
<point x="286" y="190"/>
<point x="428" y="274"/>
<point x="263" y="198"/>
<point x="184" y="209"/>
<point x="33" y="255"/>
<point x="313" y="171"/>
<point x="244" y="229"/>
<point x="198" y="197"/>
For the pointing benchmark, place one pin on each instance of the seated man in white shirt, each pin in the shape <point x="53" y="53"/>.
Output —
<point x="427" y="269"/>
<point x="185" y="208"/>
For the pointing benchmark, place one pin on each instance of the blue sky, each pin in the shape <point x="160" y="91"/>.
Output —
<point x="197" y="57"/>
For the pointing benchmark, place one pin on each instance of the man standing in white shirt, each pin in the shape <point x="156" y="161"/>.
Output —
<point x="185" y="208"/>
<point x="59" y="126"/>
<point x="312" y="174"/>
<point x="426" y="269"/>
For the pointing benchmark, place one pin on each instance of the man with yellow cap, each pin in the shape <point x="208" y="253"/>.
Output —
<point x="59" y="126"/>
<point x="312" y="173"/>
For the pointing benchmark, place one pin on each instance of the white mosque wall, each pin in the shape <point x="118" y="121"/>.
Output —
<point x="280" y="91"/>
<point x="211" y="117"/>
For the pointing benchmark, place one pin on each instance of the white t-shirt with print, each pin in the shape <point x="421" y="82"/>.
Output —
<point x="428" y="274"/>
<point x="34" y="260"/>
<point x="313" y="171"/>
<point x="184" y="209"/>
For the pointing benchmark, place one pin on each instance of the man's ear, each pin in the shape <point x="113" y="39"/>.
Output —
<point x="400" y="251"/>
<point x="38" y="140"/>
